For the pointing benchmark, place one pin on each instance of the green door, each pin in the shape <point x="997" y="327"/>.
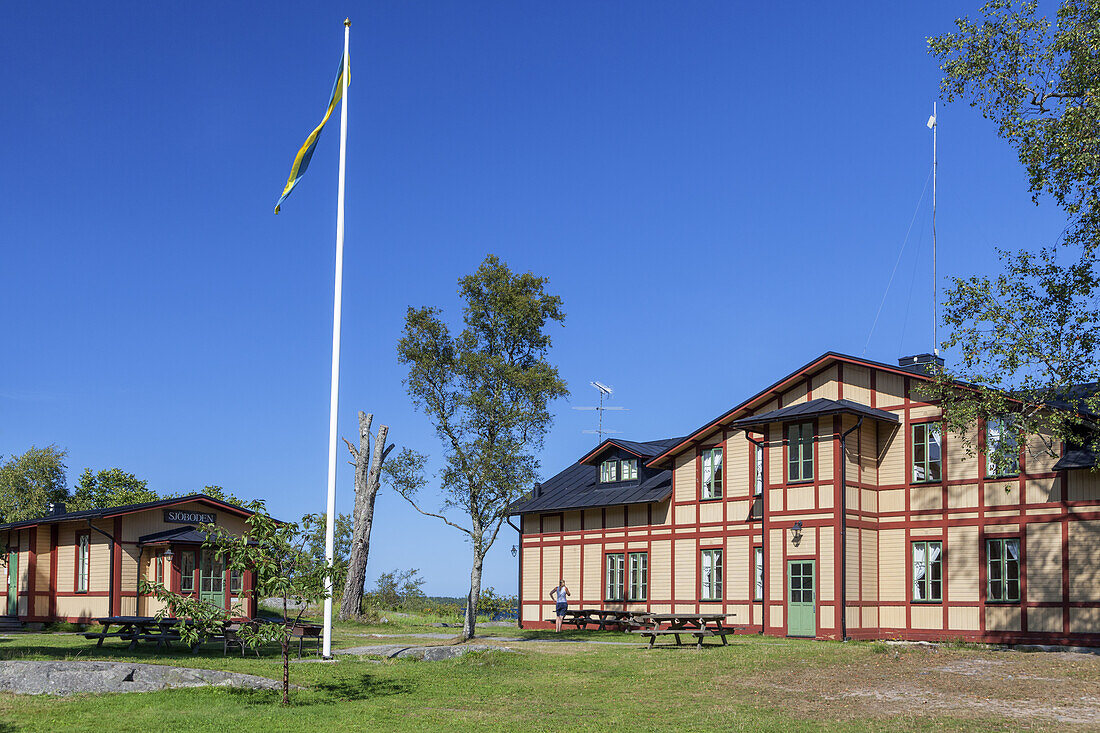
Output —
<point x="212" y="579"/>
<point x="13" y="581"/>
<point x="801" y="609"/>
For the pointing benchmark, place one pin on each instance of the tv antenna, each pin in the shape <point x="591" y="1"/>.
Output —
<point x="604" y="391"/>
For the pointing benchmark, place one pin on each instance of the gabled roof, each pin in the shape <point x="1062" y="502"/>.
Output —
<point x="578" y="486"/>
<point x="642" y="450"/>
<point x="116" y="511"/>
<point x="815" y="408"/>
<point x="815" y="365"/>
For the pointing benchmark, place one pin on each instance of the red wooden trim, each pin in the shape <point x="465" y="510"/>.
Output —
<point x="52" y="610"/>
<point x="116" y="568"/>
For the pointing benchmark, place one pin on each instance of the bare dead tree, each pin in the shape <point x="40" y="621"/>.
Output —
<point x="368" y="473"/>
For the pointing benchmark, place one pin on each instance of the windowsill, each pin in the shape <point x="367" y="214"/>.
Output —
<point x="1003" y="477"/>
<point x="710" y="498"/>
<point x="710" y="600"/>
<point x="922" y="602"/>
<point x="800" y="481"/>
<point x="1002" y="603"/>
<point x="932" y="482"/>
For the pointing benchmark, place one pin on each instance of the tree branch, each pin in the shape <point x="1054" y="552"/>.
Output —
<point x="437" y="516"/>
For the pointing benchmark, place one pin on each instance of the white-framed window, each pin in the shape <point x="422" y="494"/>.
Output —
<point x="712" y="473"/>
<point x="758" y="573"/>
<point x="758" y="478"/>
<point x="83" y="558"/>
<point x="609" y="471"/>
<point x="1002" y="452"/>
<point x="711" y="575"/>
<point x="639" y="576"/>
<point x="628" y="469"/>
<point x="615" y="566"/>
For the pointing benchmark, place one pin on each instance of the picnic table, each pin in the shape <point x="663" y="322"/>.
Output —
<point x="699" y="625"/>
<point x="602" y="618"/>
<point x="137" y="629"/>
<point x="302" y="631"/>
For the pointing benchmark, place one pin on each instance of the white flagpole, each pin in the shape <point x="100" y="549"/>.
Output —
<point x="334" y="398"/>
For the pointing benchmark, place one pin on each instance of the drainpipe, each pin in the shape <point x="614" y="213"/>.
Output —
<point x="843" y="529"/>
<point x="519" y="574"/>
<point x="763" y="543"/>
<point x="110" y="569"/>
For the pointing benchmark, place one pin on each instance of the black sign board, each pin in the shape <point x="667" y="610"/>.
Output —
<point x="182" y="516"/>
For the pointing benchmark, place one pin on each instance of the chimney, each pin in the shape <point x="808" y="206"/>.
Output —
<point x="921" y="363"/>
<point x="56" y="508"/>
<point x="538" y="489"/>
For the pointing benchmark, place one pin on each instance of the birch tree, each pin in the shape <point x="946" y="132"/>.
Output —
<point x="487" y="392"/>
<point x="368" y="475"/>
<point x="1027" y="340"/>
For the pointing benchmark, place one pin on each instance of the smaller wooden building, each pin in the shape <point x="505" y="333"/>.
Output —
<point x="75" y="566"/>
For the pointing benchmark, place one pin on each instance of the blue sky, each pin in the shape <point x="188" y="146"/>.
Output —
<point x="717" y="190"/>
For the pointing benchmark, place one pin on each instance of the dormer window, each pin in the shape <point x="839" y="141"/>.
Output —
<point x="629" y="469"/>
<point x="609" y="471"/>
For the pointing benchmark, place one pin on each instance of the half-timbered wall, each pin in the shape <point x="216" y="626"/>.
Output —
<point x="1055" y="516"/>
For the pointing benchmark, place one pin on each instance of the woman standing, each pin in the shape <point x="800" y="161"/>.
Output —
<point x="560" y="597"/>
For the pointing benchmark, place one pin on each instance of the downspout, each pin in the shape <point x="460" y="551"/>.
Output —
<point x="763" y="542"/>
<point x="843" y="529"/>
<point x="110" y="568"/>
<point x="519" y="574"/>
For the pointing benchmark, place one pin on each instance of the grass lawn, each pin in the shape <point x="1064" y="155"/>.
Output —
<point x="756" y="683"/>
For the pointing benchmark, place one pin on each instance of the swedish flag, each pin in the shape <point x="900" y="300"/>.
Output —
<point x="305" y="153"/>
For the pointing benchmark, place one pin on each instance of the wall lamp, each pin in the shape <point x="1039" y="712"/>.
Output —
<point x="515" y="551"/>
<point x="796" y="533"/>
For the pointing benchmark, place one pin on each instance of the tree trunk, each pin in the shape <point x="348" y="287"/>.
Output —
<point x="286" y="669"/>
<point x="368" y="476"/>
<point x="286" y="656"/>
<point x="470" y="622"/>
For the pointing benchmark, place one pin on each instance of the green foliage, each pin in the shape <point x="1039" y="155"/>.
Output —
<point x="396" y="589"/>
<point x="490" y="604"/>
<point x="1028" y="338"/>
<point x="313" y="527"/>
<point x="283" y="567"/>
<point x="109" y="487"/>
<point x="1037" y="81"/>
<point x="30" y="482"/>
<point x="487" y="391"/>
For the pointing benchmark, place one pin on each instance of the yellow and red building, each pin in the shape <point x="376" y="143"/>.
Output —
<point x="828" y="505"/>
<point x="76" y="566"/>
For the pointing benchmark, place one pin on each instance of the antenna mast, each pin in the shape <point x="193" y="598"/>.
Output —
<point x="935" y="289"/>
<point x="604" y="391"/>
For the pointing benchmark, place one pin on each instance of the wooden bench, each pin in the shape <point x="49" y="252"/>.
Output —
<point x="697" y="633"/>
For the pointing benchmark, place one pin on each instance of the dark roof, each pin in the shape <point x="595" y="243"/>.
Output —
<point x="816" y="408"/>
<point x="176" y="534"/>
<point x="127" y="509"/>
<point x="1076" y="458"/>
<point x="578" y="487"/>
<point x="182" y="535"/>
<point x="642" y="450"/>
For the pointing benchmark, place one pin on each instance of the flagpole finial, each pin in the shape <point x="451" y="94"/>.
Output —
<point x="347" y="22"/>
